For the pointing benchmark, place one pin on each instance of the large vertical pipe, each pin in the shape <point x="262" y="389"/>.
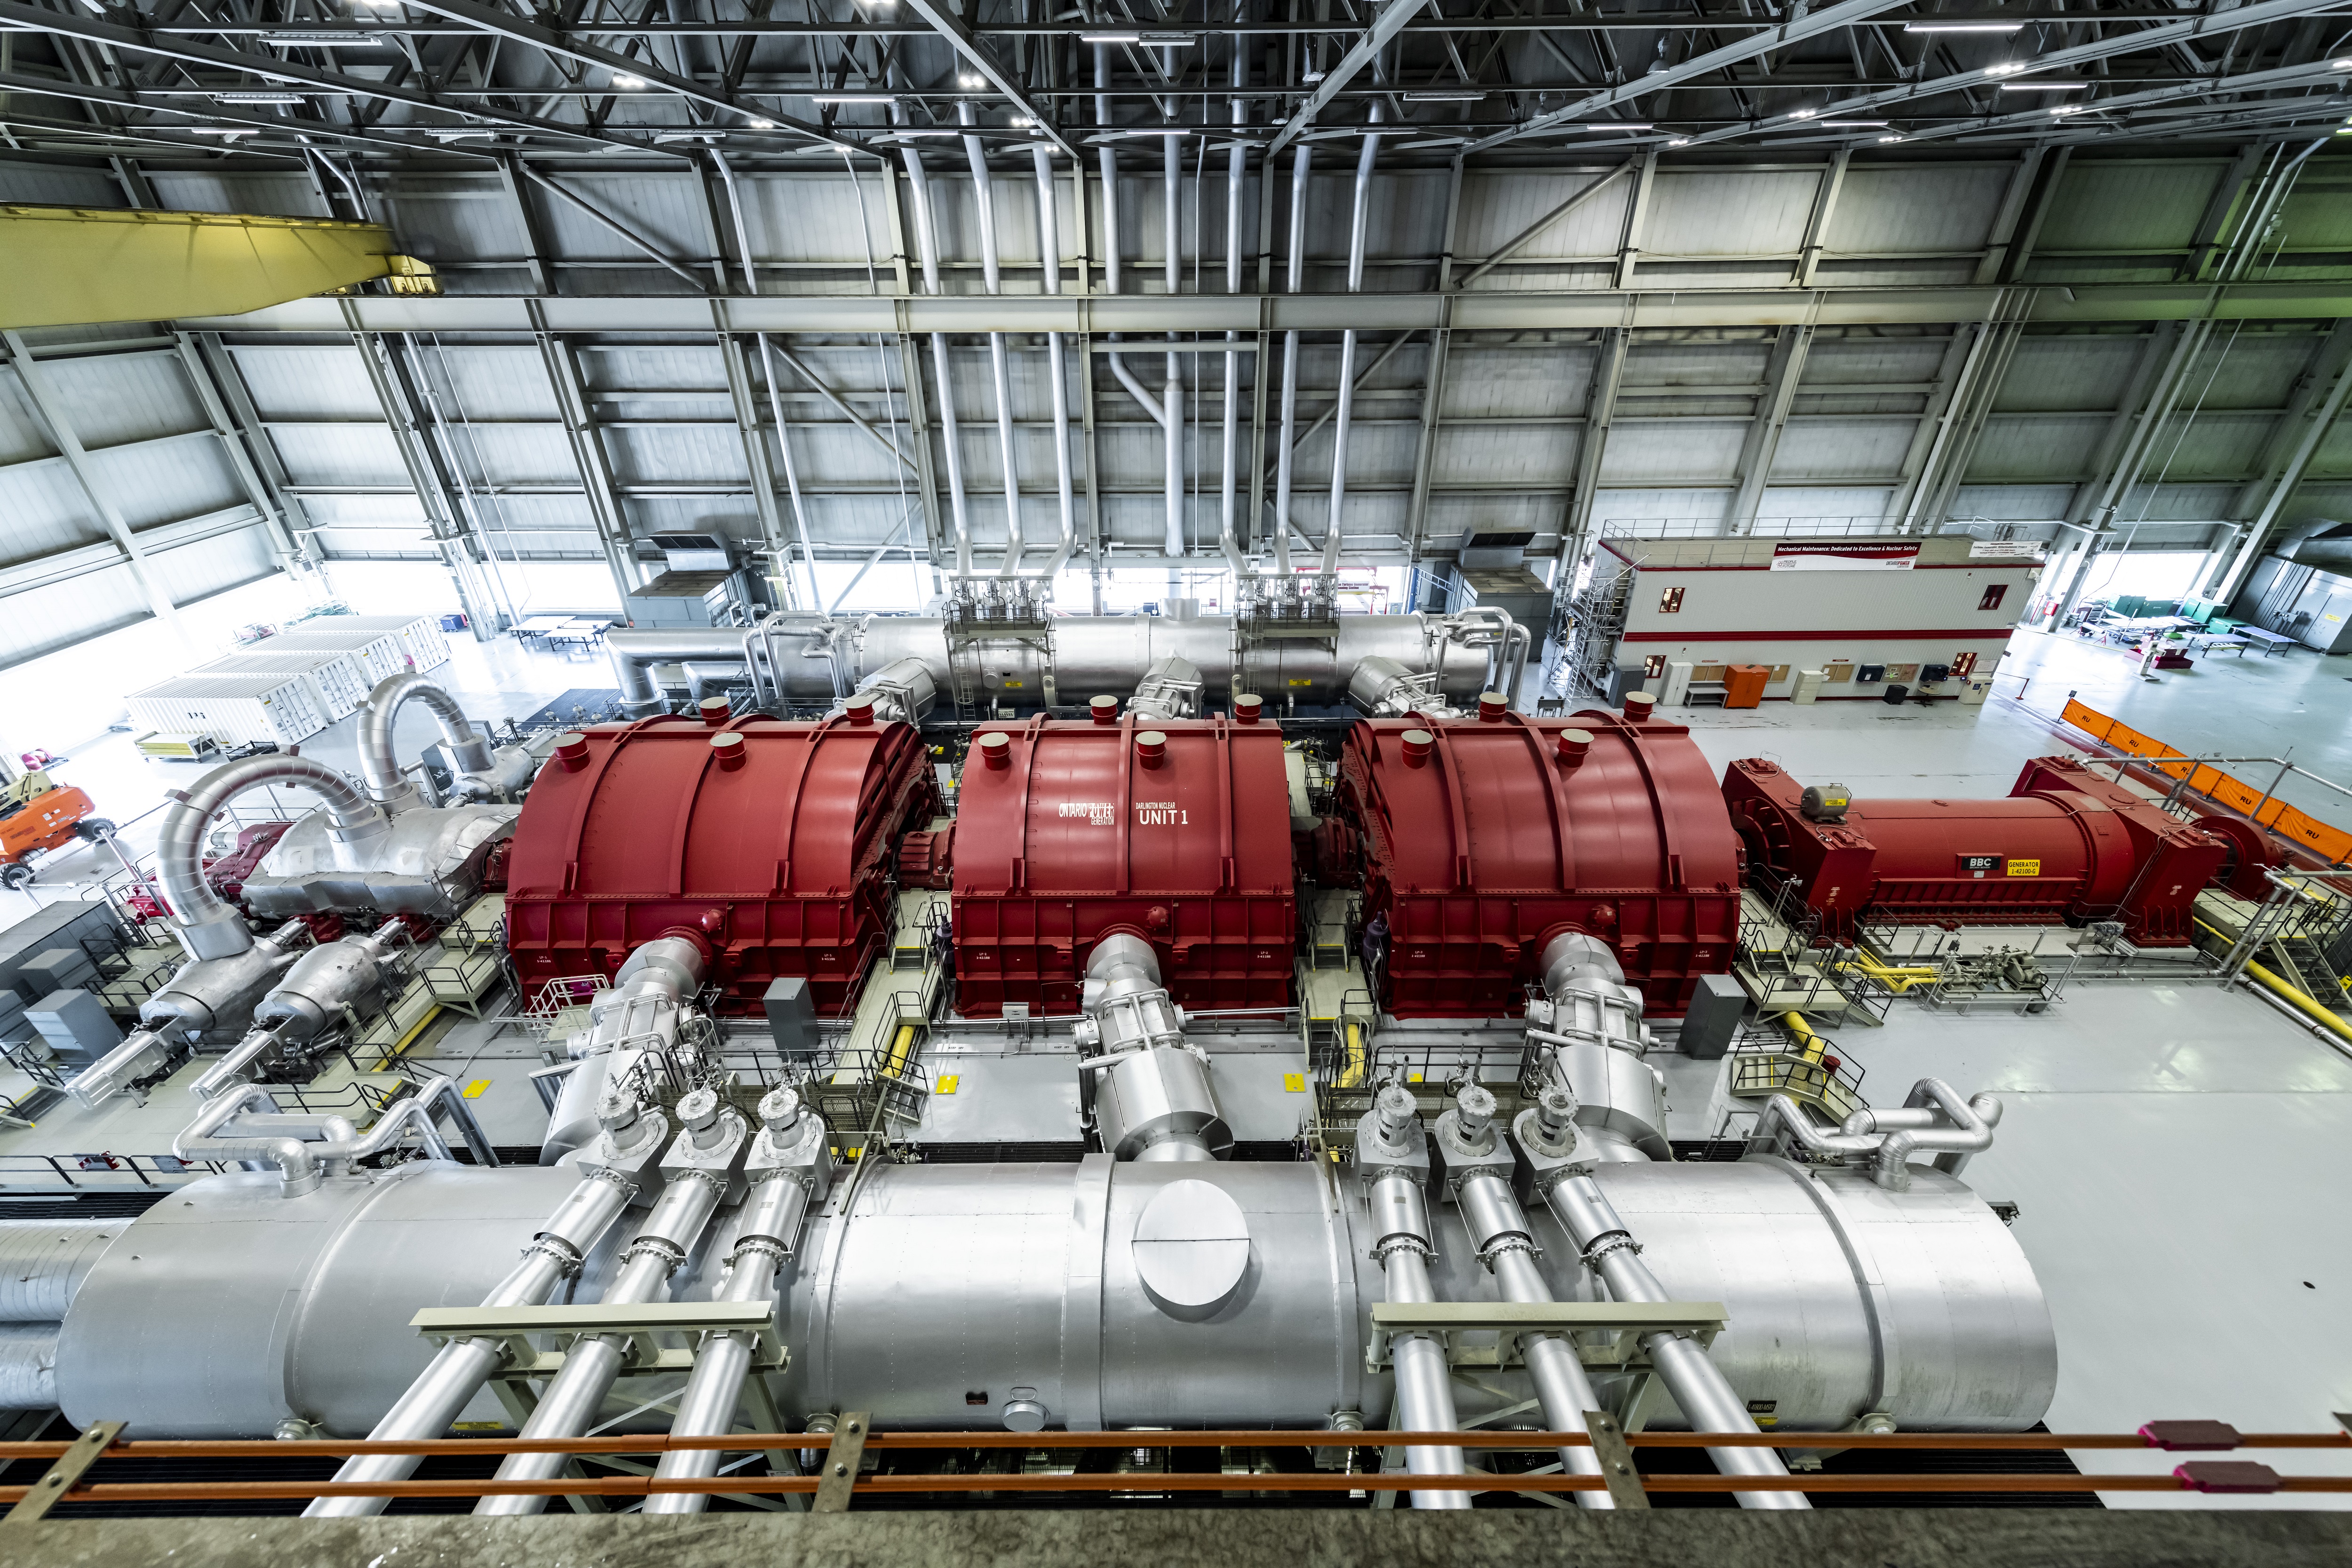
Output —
<point x="926" y="246"/>
<point x="1699" y="1387"/>
<point x="1236" y="160"/>
<point x="1171" y="396"/>
<point x="984" y="208"/>
<point x="1049" y="247"/>
<point x="1357" y="224"/>
<point x="1425" y="1387"/>
<point x="1499" y="1229"/>
<point x="1294" y="279"/>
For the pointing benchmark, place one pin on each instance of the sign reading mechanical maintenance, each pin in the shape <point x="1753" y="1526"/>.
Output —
<point x="1833" y="555"/>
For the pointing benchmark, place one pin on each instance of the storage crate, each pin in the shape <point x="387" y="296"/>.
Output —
<point x="234" y="709"/>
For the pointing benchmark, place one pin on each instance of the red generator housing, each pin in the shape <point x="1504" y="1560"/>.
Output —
<point x="1486" y="839"/>
<point x="2064" y="847"/>
<point x="775" y="848"/>
<point x="1069" y="832"/>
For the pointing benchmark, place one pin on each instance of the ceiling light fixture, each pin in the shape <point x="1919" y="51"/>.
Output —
<point x="2007" y="68"/>
<point x="257" y="98"/>
<point x="1679" y="142"/>
<point x="227" y="132"/>
<point x="1883" y="140"/>
<point x="851" y="98"/>
<point x="1856" y="124"/>
<point x="325" y="40"/>
<point x="1803" y="113"/>
<point x="2043" y="86"/>
<point x="2068" y="108"/>
<point x="2339" y="65"/>
<point x="972" y="82"/>
<point x="1445" y="95"/>
<point x="1165" y="130"/>
<point x="763" y="125"/>
<point x="1963" y="27"/>
<point x="1610" y="125"/>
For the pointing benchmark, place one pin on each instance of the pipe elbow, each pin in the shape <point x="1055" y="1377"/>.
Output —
<point x="379" y="760"/>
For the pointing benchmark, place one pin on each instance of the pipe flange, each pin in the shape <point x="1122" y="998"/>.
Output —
<point x="1608" y="1242"/>
<point x="657" y="1246"/>
<point x="566" y="1256"/>
<point x="1400" y="1241"/>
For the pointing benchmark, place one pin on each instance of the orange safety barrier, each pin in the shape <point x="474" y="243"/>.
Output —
<point x="2193" y="1475"/>
<point x="2322" y="838"/>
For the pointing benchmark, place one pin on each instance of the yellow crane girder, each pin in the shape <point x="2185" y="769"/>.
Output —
<point x="74" y="266"/>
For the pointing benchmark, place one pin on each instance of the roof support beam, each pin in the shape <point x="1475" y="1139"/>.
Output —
<point x="1385" y="27"/>
<point x="951" y="27"/>
<point x="588" y="456"/>
<point x="1786" y="369"/>
<point x="232" y="440"/>
<point x="1599" y="413"/>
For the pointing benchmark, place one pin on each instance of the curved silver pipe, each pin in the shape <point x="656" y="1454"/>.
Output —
<point x="222" y="1133"/>
<point x="1049" y="250"/>
<point x="380" y="760"/>
<point x="984" y="217"/>
<point x="209" y="927"/>
<point x="1295" y="280"/>
<point x="1358" y="228"/>
<point x="927" y="245"/>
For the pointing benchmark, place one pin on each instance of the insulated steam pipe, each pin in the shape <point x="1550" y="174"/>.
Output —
<point x="379" y="761"/>
<point x="927" y="245"/>
<point x="1294" y="279"/>
<point x="1358" y="225"/>
<point x="1424" y="1388"/>
<point x="765" y="1241"/>
<point x="984" y="218"/>
<point x="594" y="1361"/>
<point x="457" y="1373"/>
<point x="210" y="928"/>
<point x="1049" y="248"/>
<point x="1706" y="1399"/>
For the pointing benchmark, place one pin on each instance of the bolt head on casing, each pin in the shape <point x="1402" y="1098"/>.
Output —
<point x="698" y="1109"/>
<point x="779" y="1109"/>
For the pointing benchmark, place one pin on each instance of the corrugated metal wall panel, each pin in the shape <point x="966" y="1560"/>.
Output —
<point x="515" y="454"/>
<point x="1504" y="383"/>
<point x="1672" y="451"/>
<point x="1496" y="207"/>
<point x="292" y="381"/>
<point x="2117" y="204"/>
<point x="1712" y="212"/>
<point x="1882" y="210"/>
<point x="2069" y="373"/>
<point x="495" y="383"/>
<point x="44" y="509"/>
<point x="214" y="565"/>
<point x="46" y="619"/>
<point x="162" y="481"/>
<point x="2037" y="446"/>
<point x="1488" y="454"/>
<point x="353" y="454"/>
<point x="446" y="218"/>
<point x="47" y="185"/>
<point x="1850" y="450"/>
<point x="110" y="399"/>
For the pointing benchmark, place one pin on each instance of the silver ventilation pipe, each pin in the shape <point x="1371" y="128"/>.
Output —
<point x="1236" y="161"/>
<point x="609" y="1177"/>
<point x="1295" y="280"/>
<point x="790" y="1168"/>
<point x="1393" y="1158"/>
<point x="379" y="758"/>
<point x="1357" y="224"/>
<point x="927" y="245"/>
<point x="1479" y="1167"/>
<point x="209" y="927"/>
<point x="984" y="217"/>
<point x="1049" y="249"/>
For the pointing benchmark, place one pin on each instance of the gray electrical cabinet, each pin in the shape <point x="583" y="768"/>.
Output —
<point x="66" y="924"/>
<point x="792" y="1017"/>
<point x="75" y="1024"/>
<point x="1716" y="1009"/>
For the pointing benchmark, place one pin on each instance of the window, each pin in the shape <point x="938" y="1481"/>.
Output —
<point x="1655" y="665"/>
<point x="1670" y="602"/>
<point x="1993" y="596"/>
<point x="1963" y="666"/>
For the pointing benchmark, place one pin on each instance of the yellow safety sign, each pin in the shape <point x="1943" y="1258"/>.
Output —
<point x="2025" y="868"/>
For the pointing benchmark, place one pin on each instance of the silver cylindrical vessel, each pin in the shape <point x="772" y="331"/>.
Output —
<point x="43" y="1262"/>
<point x="1024" y="1282"/>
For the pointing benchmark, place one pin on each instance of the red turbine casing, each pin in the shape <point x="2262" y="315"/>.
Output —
<point x="781" y="864"/>
<point x="2064" y="846"/>
<point x="1495" y="844"/>
<point x="1077" y="837"/>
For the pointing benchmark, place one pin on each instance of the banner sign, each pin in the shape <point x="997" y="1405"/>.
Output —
<point x="1830" y="555"/>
